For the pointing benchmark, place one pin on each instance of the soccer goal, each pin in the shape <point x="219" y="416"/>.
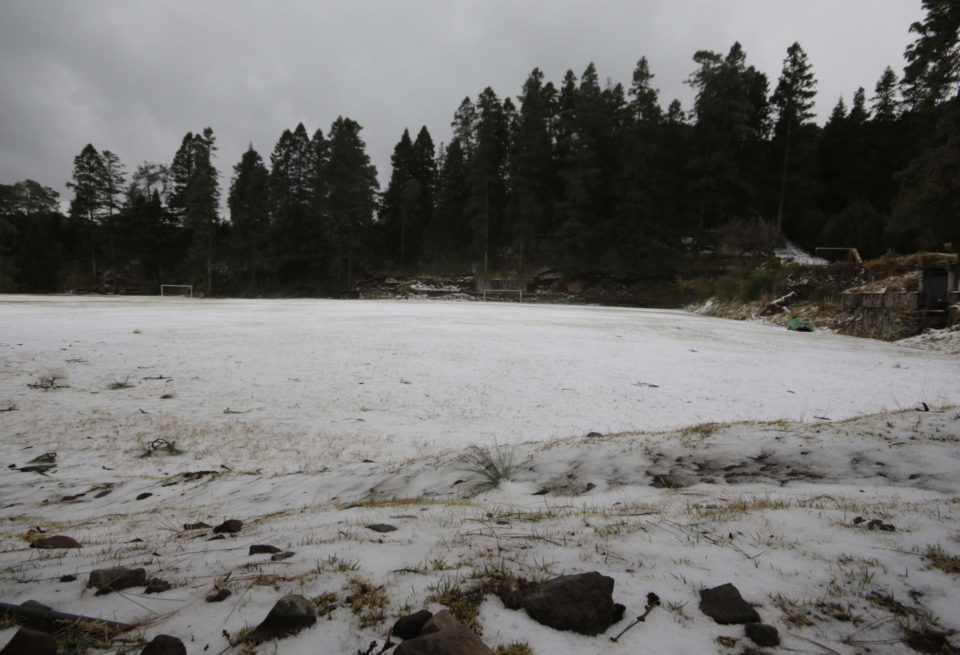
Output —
<point x="182" y="290"/>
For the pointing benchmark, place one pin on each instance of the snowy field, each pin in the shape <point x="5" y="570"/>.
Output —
<point x="718" y="451"/>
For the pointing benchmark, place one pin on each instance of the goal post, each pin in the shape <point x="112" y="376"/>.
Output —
<point x="182" y="290"/>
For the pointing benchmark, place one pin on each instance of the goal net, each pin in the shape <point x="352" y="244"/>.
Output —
<point x="182" y="290"/>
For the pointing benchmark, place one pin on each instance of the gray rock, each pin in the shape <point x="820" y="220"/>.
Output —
<point x="444" y="636"/>
<point x="230" y="526"/>
<point x="56" y="541"/>
<point x="381" y="527"/>
<point x="257" y="549"/>
<point x="290" y="615"/>
<point x="726" y="606"/>
<point x="287" y="554"/>
<point x="582" y="603"/>
<point x="410" y="626"/>
<point x="30" y="642"/>
<point x="762" y="634"/>
<point x="164" y="645"/>
<point x="116" y="578"/>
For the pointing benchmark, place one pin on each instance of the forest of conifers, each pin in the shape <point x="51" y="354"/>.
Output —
<point x="589" y="178"/>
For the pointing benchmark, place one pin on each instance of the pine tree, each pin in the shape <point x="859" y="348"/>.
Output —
<point x="114" y="178"/>
<point x="195" y="197"/>
<point x="293" y="190"/>
<point x="932" y="73"/>
<point x="530" y="167"/>
<point x="398" y="206"/>
<point x="87" y="204"/>
<point x="353" y="184"/>
<point x="250" y="213"/>
<point x="487" y="182"/>
<point x="886" y="105"/>
<point x="793" y="99"/>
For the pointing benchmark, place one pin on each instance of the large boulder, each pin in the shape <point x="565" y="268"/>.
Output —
<point x="56" y="541"/>
<point x="582" y="603"/>
<point x="290" y="615"/>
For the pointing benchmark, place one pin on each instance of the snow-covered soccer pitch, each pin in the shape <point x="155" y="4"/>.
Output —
<point x="310" y="420"/>
<point x="290" y="384"/>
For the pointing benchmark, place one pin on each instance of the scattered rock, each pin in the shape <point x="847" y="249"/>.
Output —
<point x="68" y="578"/>
<point x="195" y="526"/>
<point x="409" y="626"/>
<point x="144" y="495"/>
<point x="762" y="634"/>
<point x="116" y="578"/>
<point x="218" y="595"/>
<point x="442" y="635"/>
<point x="56" y="541"/>
<point x="582" y="603"/>
<point x="30" y="642"/>
<point x="287" y="554"/>
<point x="726" y="606"/>
<point x="216" y="538"/>
<point x="258" y="549"/>
<point x="877" y="524"/>
<point x="37" y="605"/>
<point x="381" y="527"/>
<point x="102" y="493"/>
<point x="230" y="526"/>
<point x="290" y="615"/>
<point x="157" y="586"/>
<point x="925" y="642"/>
<point x="164" y="645"/>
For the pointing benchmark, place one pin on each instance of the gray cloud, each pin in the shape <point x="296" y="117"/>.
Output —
<point x="133" y="76"/>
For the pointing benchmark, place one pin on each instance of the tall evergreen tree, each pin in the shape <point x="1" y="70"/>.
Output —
<point x="794" y="100"/>
<point x="87" y="203"/>
<point x="293" y="182"/>
<point x="886" y="104"/>
<point x="249" y="205"/>
<point x="195" y="198"/>
<point x="448" y="234"/>
<point x="398" y="207"/>
<point x="530" y="169"/>
<point x="932" y="73"/>
<point x="352" y="200"/>
<point x="486" y="178"/>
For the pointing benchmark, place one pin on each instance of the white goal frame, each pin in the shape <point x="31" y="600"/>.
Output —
<point x="188" y="287"/>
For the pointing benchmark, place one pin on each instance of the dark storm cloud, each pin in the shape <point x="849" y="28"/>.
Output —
<point x="134" y="76"/>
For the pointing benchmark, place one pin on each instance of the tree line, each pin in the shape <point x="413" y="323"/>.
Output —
<point x="589" y="177"/>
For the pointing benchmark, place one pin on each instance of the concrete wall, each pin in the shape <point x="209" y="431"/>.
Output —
<point x="885" y="324"/>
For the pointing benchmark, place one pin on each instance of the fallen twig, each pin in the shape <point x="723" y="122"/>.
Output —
<point x="652" y="601"/>
<point x="234" y="411"/>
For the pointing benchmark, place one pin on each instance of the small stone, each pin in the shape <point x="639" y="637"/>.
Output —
<point x="35" y="604"/>
<point x="195" y="526"/>
<point x="282" y="556"/>
<point x="68" y="578"/>
<point x="157" y="586"/>
<point x="230" y="526"/>
<point x="381" y="527"/>
<point x="290" y="615"/>
<point x="442" y="635"/>
<point x="56" y="541"/>
<point x="762" y="634"/>
<point x="409" y="626"/>
<point x="116" y="578"/>
<point x="30" y="642"/>
<point x="216" y="538"/>
<point x="257" y="549"/>
<point x="218" y="595"/>
<point x="726" y="606"/>
<point x="144" y="495"/>
<point x="164" y="645"/>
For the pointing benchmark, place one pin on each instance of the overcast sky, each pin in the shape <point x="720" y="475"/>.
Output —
<point x="133" y="76"/>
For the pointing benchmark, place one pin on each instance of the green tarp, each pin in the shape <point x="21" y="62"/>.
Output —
<point x="799" y="324"/>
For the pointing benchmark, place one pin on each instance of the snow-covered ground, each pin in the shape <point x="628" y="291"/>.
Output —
<point x="719" y="451"/>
